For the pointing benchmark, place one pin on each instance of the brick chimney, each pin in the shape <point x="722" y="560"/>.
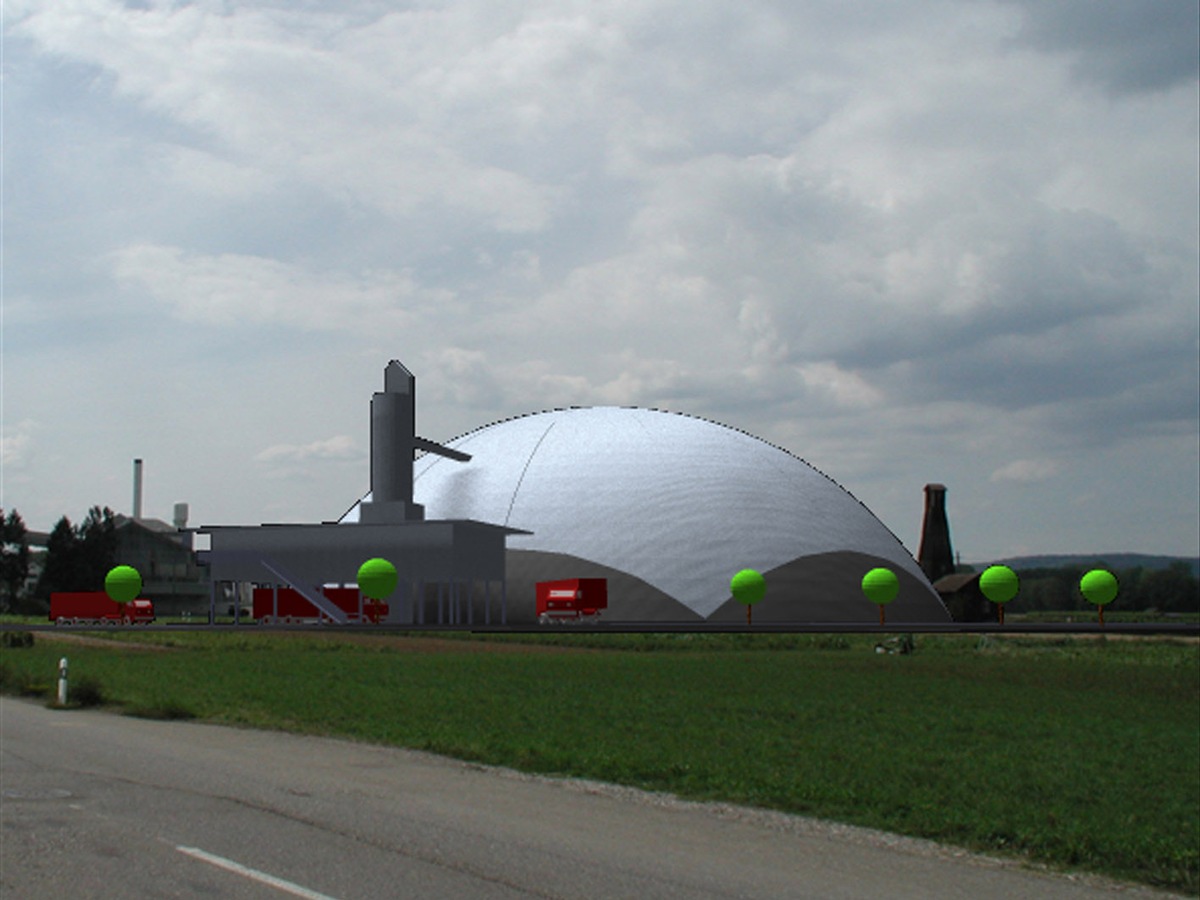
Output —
<point x="935" y="556"/>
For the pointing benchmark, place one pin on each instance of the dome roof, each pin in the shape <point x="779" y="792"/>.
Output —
<point x="678" y="502"/>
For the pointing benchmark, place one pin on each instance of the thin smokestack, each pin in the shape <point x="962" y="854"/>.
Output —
<point x="935" y="556"/>
<point x="137" y="489"/>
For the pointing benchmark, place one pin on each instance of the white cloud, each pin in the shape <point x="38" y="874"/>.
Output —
<point x="17" y="448"/>
<point x="336" y="108"/>
<point x="204" y="172"/>
<point x="240" y="291"/>
<point x="1026" y="471"/>
<point x="338" y="447"/>
<point x="844" y="388"/>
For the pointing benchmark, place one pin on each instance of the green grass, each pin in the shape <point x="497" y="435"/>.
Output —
<point x="949" y="743"/>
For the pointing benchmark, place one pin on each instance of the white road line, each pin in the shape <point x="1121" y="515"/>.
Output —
<point x="246" y="872"/>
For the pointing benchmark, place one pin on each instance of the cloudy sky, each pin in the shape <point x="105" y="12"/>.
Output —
<point x="907" y="241"/>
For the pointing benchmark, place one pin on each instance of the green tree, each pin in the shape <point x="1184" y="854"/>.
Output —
<point x="61" y="570"/>
<point x="1068" y="587"/>
<point x="78" y="558"/>
<point x="1040" y="591"/>
<point x="1173" y="589"/>
<point x="1037" y="595"/>
<point x="14" y="559"/>
<point x="98" y="547"/>
<point x="1132" y="591"/>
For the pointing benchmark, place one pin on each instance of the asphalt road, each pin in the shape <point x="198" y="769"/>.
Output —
<point x="95" y="805"/>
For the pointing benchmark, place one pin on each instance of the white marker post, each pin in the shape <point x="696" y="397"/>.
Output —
<point x="62" y="682"/>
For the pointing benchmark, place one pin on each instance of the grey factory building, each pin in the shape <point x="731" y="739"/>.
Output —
<point x="451" y="571"/>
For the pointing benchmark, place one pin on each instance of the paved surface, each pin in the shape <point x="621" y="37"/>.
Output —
<point x="96" y="805"/>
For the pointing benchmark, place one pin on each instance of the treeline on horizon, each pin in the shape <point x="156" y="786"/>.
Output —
<point x="1173" y="589"/>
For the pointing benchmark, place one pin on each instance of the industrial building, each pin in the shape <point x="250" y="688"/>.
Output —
<point x="451" y="571"/>
<point x="664" y="507"/>
<point x="667" y="507"/>
<point x="171" y="576"/>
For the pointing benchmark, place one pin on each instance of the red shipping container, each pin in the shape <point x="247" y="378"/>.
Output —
<point x="571" y="599"/>
<point x="85" y="607"/>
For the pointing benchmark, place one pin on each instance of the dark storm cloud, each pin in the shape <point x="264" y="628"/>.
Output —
<point x="1124" y="45"/>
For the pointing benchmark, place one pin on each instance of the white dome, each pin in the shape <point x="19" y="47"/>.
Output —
<point x="677" y="502"/>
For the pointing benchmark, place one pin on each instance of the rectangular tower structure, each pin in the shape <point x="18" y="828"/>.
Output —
<point x="394" y="443"/>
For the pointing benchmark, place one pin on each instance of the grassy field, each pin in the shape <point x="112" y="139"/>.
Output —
<point x="1075" y="752"/>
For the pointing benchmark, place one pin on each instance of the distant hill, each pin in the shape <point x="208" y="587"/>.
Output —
<point x="1114" y="561"/>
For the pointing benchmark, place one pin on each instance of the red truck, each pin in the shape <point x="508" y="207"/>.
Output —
<point x="571" y="600"/>
<point x="292" y="608"/>
<point x="96" y="607"/>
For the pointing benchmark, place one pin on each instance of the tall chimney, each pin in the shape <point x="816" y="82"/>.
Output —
<point x="137" y="489"/>
<point x="935" y="557"/>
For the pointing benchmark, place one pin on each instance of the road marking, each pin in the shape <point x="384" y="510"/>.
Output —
<point x="246" y="872"/>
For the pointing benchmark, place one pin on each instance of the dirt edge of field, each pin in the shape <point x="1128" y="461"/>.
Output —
<point x="399" y="643"/>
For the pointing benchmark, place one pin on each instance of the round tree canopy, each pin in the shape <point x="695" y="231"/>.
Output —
<point x="377" y="578"/>
<point x="998" y="583"/>
<point x="1099" y="586"/>
<point x="748" y="586"/>
<point x="881" y="585"/>
<point x="122" y="583"/>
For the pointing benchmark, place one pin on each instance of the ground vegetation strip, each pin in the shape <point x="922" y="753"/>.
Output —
<point x="1080" y="754"/>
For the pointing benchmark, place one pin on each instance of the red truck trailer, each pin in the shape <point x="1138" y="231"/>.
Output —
<point x="292" y="608"/>
<point x="96" y="607"/>
<point x="571" y="600"/>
